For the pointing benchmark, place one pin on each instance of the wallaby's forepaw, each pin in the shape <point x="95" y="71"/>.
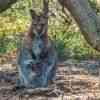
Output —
<point x="19" y="84"/>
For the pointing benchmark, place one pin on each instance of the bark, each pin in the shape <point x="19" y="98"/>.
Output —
<point x="86" y="18"/>
<point x="5" y="4"/>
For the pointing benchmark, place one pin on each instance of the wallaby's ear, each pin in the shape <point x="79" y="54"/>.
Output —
<point x="46" y="7"/>
<point x="33" y="13"/>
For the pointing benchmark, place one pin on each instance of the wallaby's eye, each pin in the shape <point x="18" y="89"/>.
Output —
<point x="34" y="23"/>
<point x="42" y="24"/>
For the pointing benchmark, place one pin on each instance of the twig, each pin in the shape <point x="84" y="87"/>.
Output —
<point x="35" y="91"/>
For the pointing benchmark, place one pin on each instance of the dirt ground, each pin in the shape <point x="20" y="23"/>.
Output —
<point x="75" y="80"/>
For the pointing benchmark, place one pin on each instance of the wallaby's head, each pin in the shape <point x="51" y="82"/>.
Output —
<point x="40" y="21"/>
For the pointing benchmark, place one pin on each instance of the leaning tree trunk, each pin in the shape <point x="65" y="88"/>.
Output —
<point x="87" y="20"/>
<point x="5" y="4"/>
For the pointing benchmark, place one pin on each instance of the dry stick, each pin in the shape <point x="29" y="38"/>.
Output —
<point x="34" y="91"/>
<point x="27" y="91"/>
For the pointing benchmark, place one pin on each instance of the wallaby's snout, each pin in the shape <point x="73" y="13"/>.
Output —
<point x="39" y="29"/>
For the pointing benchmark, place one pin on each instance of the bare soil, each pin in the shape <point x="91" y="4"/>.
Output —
<point x="75" y="80"/>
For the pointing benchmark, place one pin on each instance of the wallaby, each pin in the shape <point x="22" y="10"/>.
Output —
<point x="37" y="56"/>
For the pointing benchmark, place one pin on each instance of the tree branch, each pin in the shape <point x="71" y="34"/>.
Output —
<point x="86" y="18"/>
<point x="5" y="4"/>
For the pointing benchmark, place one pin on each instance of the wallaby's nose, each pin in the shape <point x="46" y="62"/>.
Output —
<point x="39" y="28"/>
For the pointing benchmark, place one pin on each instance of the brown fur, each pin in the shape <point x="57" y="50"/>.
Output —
<point x="37" y="56"/>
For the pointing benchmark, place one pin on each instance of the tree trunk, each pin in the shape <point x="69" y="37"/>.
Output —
<point x="5" y="4"/>
<point x="87" y="20"/>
